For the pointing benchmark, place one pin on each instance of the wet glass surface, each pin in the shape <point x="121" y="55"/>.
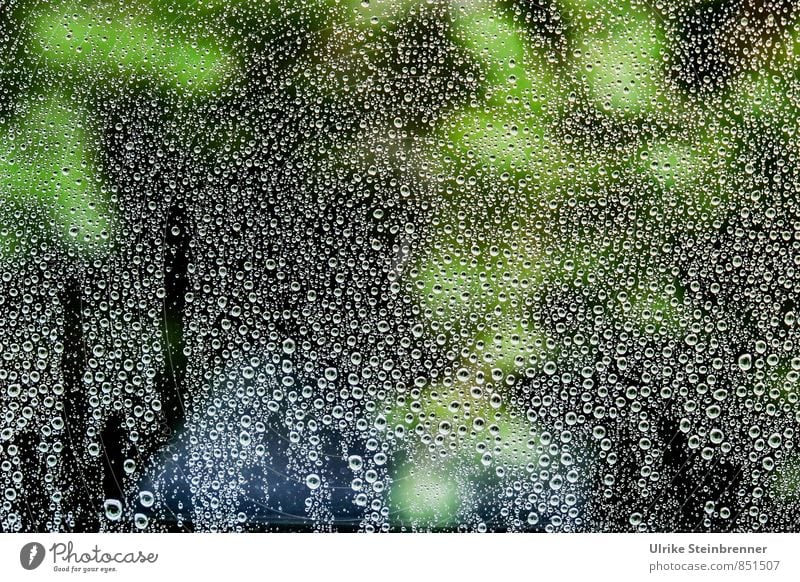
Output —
<point x="339" y="265"/>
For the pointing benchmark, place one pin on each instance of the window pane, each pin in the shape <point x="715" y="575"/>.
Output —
<point x="408" y="265"/>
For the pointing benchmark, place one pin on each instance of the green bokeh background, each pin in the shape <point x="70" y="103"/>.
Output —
<point x="564" y="103"/>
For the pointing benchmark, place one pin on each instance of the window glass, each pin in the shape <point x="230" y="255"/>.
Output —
<point x="408" y="265"/>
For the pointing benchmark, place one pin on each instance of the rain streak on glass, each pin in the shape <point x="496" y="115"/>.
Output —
<point x="408" y="265"/>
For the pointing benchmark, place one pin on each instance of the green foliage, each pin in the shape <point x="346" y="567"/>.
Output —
<point x="623" y="65"/>
<point x="514" y="72"/>
<point x="48" y="163"/>
<point x="107" y="44"/>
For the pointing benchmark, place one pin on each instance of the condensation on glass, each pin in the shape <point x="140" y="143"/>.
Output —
<point x="344" y="265"/>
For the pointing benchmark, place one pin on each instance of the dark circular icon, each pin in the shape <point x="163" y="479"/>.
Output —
<point x="31" y="555"/>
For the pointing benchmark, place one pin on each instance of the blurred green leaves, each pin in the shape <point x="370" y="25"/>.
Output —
<point x="47" y="162"/>
<point x="51" y="160"/>
<point x="623" y="65"/>
<point x="93" y="45"/>
<point x="514" y="71"/>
